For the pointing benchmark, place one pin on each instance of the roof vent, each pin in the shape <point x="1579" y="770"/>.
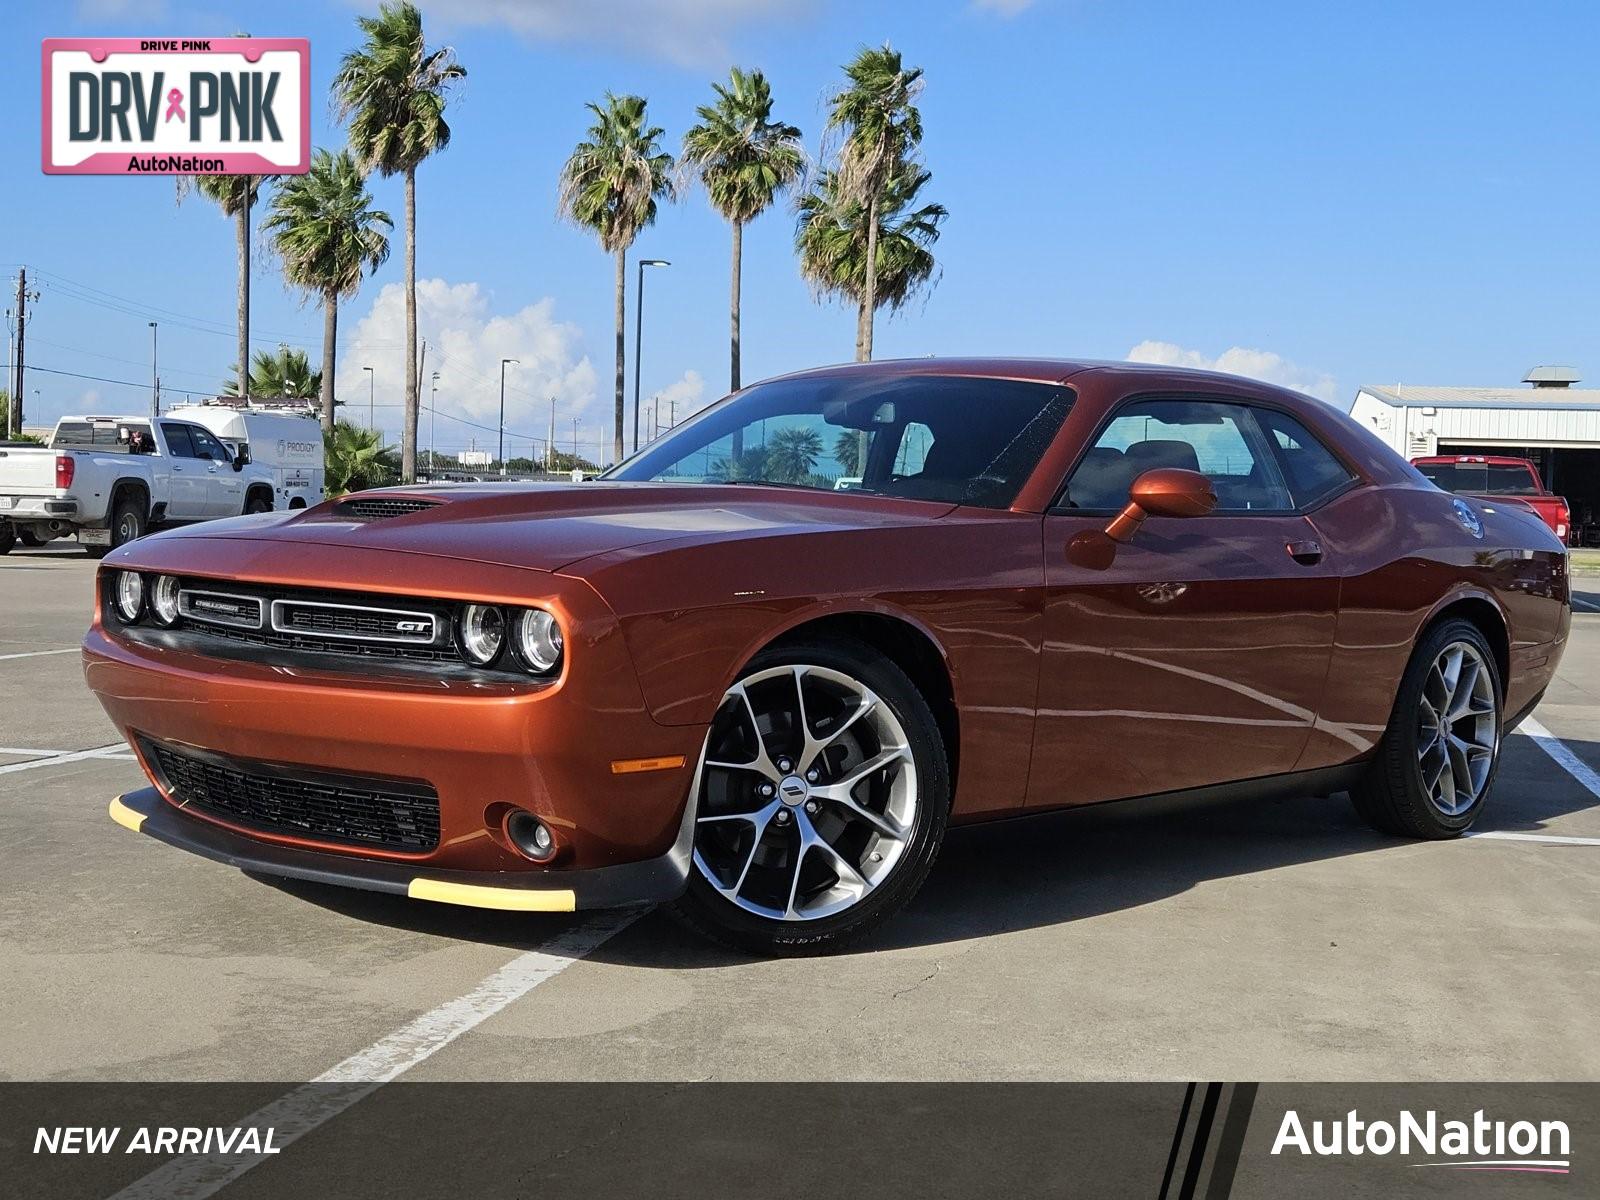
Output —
<point x="1552" y="377"/>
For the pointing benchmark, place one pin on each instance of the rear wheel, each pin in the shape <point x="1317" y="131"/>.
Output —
<point x="128" y="523"/>
<point x="8" y="537"/>
<point x="29" y="538"/>
<point x="822" y="797"/>
<point x="1438" y="757"/>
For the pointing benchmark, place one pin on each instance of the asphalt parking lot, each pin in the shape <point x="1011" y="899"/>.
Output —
<point x="1277" y="941"/>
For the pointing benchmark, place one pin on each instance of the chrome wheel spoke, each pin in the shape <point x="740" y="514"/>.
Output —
<point x="1458" y="729"/>
<point x="814" y="848"/>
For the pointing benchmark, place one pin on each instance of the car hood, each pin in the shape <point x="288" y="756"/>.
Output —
<point x="548" y="527"/>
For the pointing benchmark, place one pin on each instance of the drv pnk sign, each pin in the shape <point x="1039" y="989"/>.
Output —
<point x="171" y="106"/>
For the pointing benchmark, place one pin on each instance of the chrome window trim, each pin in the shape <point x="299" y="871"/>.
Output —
<point x="431" y="638"/>
<point x="185" y="610"/>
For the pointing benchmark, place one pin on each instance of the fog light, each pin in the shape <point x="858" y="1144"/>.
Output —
<point x="539" y="640"/>
<point x="164" y="600"/>
<point x="130" y="595"/>
<point x="529" y="835"/>
<point x="483" y="632"/>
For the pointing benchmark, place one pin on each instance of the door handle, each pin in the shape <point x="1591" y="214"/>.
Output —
<point x="178" y="469"/>
<point x="1307" y="554"/>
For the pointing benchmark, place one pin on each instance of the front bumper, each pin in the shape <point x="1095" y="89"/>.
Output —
<point x="650" y="881"/>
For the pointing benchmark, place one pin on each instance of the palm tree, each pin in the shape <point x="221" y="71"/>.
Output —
<point x="236" y="195"/>
<point x="880" y="128"/>
<point x="286" y="374"/>
<point x="792" y="454"/>
<point x="393" y="89"/>
<point x="610" y="185"/>
<point x="744" y="159"/>
<point x="356" y="459"/>
<point x="324" y="227"/>
<point x="832" y="239"/>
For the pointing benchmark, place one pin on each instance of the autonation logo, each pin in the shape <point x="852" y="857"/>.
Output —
<point x="1478" y="1144"/>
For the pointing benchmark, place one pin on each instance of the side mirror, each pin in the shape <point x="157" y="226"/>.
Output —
<point x="1162" y="492"/>
<point x="241" y="459"/>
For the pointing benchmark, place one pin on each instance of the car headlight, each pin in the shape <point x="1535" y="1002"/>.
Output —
<point x="164" y="600"/>
<point x="482" y="633"/>
<point x="130" y="595"/>
<point x="539" y="640"/>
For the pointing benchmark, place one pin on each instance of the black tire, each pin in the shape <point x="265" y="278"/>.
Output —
<point x="1392" y="797"/>
<point x="258" y="502"/>
<point x="129" y="522"/>
<point x="707" y="911"/>
<point x="8" y="537"/>
<point x="29" y="538"/>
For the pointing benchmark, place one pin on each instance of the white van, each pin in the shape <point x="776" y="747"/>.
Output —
<point x="286" y="442"/>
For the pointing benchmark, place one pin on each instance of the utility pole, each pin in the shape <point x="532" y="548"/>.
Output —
<point x="155" y="378"/>
<point x="372" y="397"/>
<point x="21" y="357"/>
<point x="550" y="446"/>
<point x="574" y="443"/>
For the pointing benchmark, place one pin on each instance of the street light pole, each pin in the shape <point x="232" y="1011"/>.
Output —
<point x="574" y="443"/>
<point x="502" y="451"/>
<point x="638" y="338"/>
<point x="155" y="378"/>
<point x="433" y="420"/>
<point x="372" y="397"/>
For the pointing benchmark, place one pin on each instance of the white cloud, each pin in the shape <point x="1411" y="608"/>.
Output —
<point x="466" y="342"/>
<point x="1241" y="360"/>
<point x="682" y="399"/>
<point x="688" y="32"/>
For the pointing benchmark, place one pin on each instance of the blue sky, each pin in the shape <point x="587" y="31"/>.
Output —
<point x="1326" y="195"/>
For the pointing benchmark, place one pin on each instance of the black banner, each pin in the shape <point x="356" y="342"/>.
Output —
<point x="700" y="1141"/>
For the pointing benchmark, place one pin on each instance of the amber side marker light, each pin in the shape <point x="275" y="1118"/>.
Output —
<point x="632" y="766"/>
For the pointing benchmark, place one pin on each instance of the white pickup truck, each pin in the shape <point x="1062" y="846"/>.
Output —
<point x="109" y="480"/>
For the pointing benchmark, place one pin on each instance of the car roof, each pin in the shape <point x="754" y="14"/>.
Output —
<point x="1042" y="370"/>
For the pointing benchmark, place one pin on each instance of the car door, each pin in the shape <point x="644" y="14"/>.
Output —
<point x="188" y="484"/>
<point x="225" y="488"/>
<point x="1197" y="654"/>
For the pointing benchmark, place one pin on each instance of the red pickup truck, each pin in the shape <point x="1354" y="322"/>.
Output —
<point x="1495" y="478"/>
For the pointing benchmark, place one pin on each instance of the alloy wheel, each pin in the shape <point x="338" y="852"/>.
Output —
<point x="127" y="527"/>
<point x="808" y="794"/>
<point x="1458" y="728"/>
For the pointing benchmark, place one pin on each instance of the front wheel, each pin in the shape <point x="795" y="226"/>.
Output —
<point x="821" y="799"/>
<point x="1438" y="756"/>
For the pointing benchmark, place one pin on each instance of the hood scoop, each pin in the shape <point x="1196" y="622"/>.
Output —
<point x="380" y="508"/>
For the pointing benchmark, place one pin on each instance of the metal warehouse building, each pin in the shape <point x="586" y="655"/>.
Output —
<point x="1551" y="422"/>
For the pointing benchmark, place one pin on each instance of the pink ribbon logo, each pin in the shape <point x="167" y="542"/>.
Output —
<point x="175" y="105"/>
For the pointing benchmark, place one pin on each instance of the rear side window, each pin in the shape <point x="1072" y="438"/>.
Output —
<point x="1219" y="440"/>
<point x="1310" y="467"/>
<point x="98" y="435"/>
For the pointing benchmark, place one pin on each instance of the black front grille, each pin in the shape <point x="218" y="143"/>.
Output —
<point x="362" y="622"/>
<point x="352" y="810"/>
<point x="379" y="508"/>
<point x="202" y="639"/>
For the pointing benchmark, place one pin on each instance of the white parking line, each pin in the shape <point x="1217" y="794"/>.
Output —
<point x="1548" y="838"/>
<point x="39" y="653"/>
<point x="299" y="1112"/>
<point x="1557" y="749"/>
<point x="116" y="751"/>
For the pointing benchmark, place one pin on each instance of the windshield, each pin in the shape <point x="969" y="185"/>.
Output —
<point x="1481" y="479"/>
<point x="950" y="438"/>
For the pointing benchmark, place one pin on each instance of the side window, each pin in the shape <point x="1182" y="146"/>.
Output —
<point x="206" y="446"/>
<point x="1219" y="440"/>
<point x="1312" y="469"/>
<point x="178" y="441"/>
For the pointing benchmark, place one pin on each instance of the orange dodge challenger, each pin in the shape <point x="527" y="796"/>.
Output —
<point x="758" y="668"/>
